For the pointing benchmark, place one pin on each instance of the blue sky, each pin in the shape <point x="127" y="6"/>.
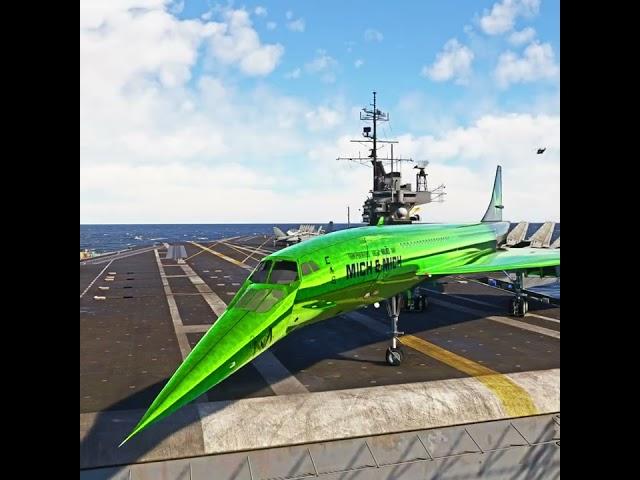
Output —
<point x="235" y="112"/>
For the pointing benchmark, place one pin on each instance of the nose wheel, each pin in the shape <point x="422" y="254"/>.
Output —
<point x="394" y="354"/>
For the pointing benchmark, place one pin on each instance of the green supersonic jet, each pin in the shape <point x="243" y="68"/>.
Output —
<point x="339" y="272"/>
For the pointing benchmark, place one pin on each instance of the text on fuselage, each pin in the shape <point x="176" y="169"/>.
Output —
<point x="361" y="269"/>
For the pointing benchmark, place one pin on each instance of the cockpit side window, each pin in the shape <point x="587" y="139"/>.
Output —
<point x="284" y="272"/>
<point x="261" y="272"/>
<point x="308" y="267"/>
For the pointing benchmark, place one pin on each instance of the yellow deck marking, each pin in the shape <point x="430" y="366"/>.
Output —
<point x="214" y="243"/>
<point x="515" y="400"/>
<point x="254" y="252"/>
<point x="244" y="250"/>
<point x="223" y="256"/>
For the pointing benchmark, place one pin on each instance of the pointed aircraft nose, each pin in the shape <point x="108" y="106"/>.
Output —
<point x="241" y="333"/>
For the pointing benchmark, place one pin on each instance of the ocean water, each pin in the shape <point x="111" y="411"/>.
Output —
<point x="111" y="238"/>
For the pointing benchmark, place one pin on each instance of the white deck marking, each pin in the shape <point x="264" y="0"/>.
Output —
<point x="183" y="343"/>
<point x="507" y="321"/>
<point x="115" y="256"/>
<point x="94" y="280"/>
<point x="277" y="375"/>
<point x="196" y="328"/>
<point x="555" y="320"/>
<point x="214" y="301"/>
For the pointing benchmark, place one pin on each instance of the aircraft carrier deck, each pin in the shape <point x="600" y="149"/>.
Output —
<point x="477" y="393"/>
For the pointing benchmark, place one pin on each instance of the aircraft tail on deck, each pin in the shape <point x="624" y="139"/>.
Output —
<point x="494" y="210"/>
<point x="278" y="233"/>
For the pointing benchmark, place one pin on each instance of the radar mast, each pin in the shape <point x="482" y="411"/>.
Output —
<point x="390" y="198"/>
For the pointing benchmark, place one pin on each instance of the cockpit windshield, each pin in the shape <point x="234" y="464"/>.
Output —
<point x="259" y="300"/>
<point x="261" y="272"/>
<point x="284" y="273"/>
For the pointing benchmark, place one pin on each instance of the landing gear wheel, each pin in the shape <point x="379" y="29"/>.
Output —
<point x="519" y="307"/>
<point x="394" y="356"/>
<point x="424" y="303"/>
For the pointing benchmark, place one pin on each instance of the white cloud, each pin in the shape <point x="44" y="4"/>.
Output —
<point x="525" y="35"/>
<point x="503" y="15"/>
<point x="289" y="14"/>
<point x="324" y="65"/>
<point x="465" y="158"/>
<point x="271" y="25"/>
<point x="358" y="63"/>
<point x="260" y="11"/>
<point x="453" y="62"/>
<point x="372" y="35"/>
<point x="238" y="43"/>
<point x="157" y="145"/>
<point x="293" y="74"/>
<point x="536" y="63"/>
<point x="176" y="6"/>
<point x="296" y="25"/>
<point x="323" y="118"/>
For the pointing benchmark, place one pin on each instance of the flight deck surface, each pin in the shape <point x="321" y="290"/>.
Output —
<point x="136" y="332"/>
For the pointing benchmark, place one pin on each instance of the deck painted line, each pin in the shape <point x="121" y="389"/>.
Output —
<point x="555" y="320"/>
<point x="514" y="399"/>
<point x="196" y="328"/>
<point x="246" y="249"/>
<point x="223" y="256"/>
<point x="255" y="251"/>
<point x="201" y="251"/>
<point x="241" y="250"/>
<point x="277" y="375"/>
<point x="183" y="342"/>
<point x="214" y="301"/>
<point x="335" y="415"/>
<point x="186" y="294"/>
<point x="507" y="321"/>
<point x="94" y="280"/>
<point x="116" y="256"/>
<point x="480" y="302"/>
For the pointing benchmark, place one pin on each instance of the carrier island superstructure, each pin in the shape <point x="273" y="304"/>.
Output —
<point x="390" y="199"/>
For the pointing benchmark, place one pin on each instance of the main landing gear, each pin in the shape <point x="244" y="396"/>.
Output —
<point x="413" y="301"/>
<point x="394" y="355"/>
<point x="519" y="303"/>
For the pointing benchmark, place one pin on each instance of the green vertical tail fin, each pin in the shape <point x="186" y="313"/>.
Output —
<point x="494" y="210"/>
